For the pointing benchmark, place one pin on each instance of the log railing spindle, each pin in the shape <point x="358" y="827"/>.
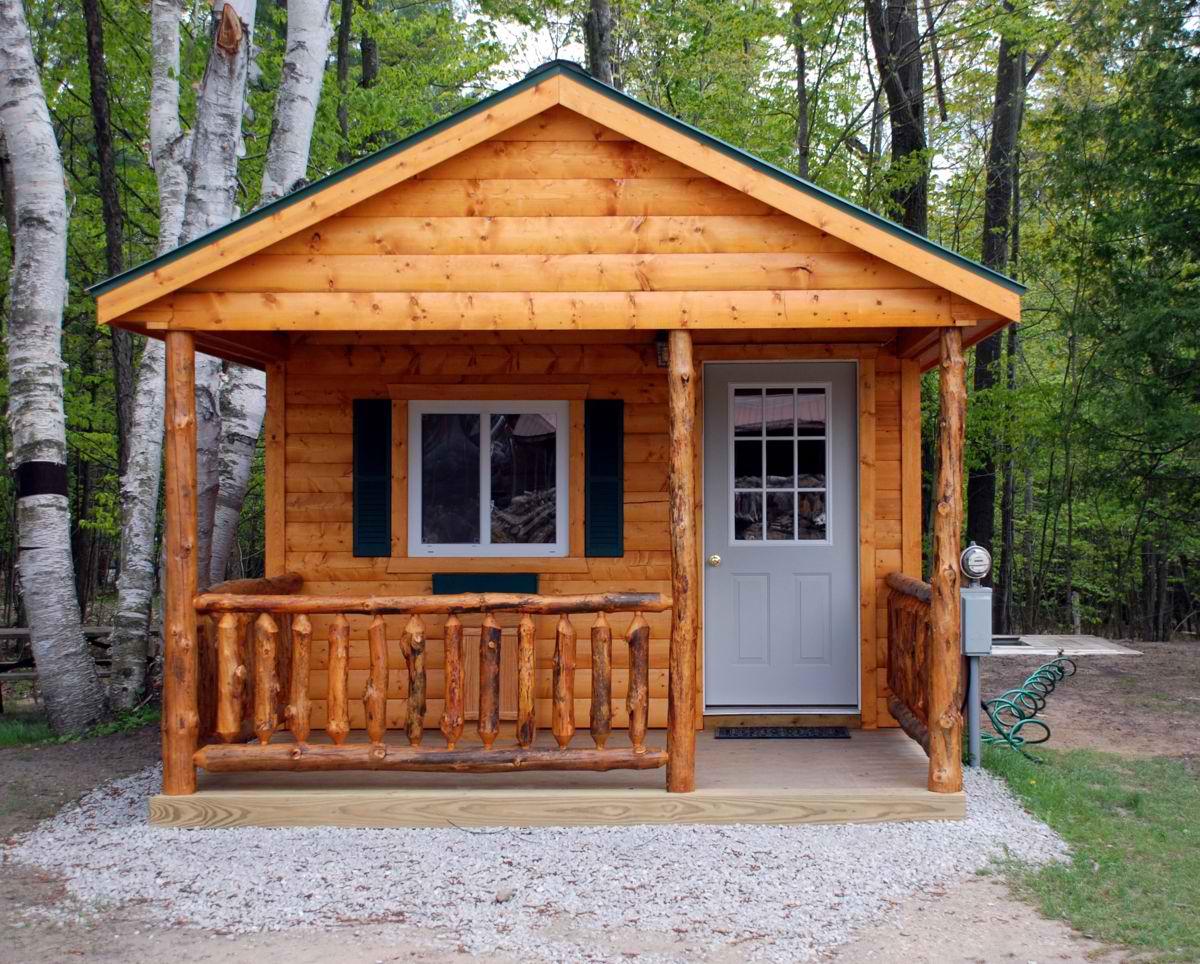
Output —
<point x="414" y="659"/>
<point x="298" y="709"/>
<point x="526" y="718"/>
<point x="338" y="723"/>
<point x="266" y="680"/>
<point x="601" y="681"/>
<point x="489" y="681"/>
<point x="452" y="712"/>
<point x="638" y="699"/>
<point x="563" y="721"/>
<point x="231" y="679"/>
<point x="375" y="696"/>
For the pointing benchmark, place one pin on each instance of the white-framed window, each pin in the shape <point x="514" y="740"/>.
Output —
<point x="779" y="464"/>
<point x="488" y="478"/>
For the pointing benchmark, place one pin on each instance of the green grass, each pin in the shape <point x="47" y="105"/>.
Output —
<point x="1134" y="831"/>
<point x="25" y="729"/>
<point x="20" y="730"/>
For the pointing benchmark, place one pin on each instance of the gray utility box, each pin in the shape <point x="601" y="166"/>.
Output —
<point x="976" y="611"/>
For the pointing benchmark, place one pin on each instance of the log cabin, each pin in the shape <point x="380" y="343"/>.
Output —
<point x="585" y="431"/>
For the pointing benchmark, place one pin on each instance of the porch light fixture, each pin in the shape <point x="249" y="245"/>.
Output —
<point x="975" y="562"/>
<point x="661" y="349"/>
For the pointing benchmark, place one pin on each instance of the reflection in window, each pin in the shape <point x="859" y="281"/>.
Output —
<point x="523" y="482"/>
<point x="449" y="478"/>
<point x="779" y="464"/>
<point x="490" y="477"/>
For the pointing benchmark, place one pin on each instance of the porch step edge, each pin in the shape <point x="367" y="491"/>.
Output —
<point x="421" y="807"/>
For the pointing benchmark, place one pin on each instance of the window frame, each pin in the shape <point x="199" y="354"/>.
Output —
<point x="561" y="409"/>
<point x="794" y="543"/>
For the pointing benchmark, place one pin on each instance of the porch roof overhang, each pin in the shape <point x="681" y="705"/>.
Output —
<point x="151" y="298"/>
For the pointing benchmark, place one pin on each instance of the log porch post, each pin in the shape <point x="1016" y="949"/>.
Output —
<point x="945" y="657"/>
<point x="180" y="717"/>
<point x="681" y="487"/>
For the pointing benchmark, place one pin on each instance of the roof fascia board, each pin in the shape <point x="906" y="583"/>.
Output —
<point x="119" y="295"/>
<point x="784" y="191"/>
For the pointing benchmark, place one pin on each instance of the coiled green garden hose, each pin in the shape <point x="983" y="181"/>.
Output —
<point x="1015" y="711"/>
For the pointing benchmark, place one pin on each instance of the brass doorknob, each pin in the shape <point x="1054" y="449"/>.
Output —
<point x="714" y="560"/>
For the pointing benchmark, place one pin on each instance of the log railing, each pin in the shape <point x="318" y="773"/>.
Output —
<point x="908" y="654"/>
<point x="259" y="691"/>
<point x="912" y="660"/>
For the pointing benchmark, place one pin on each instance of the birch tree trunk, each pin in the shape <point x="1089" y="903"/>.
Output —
<point x="211" y="202"/>
<point x="36" y="198"/>
<point x="193" y="197"/>
<point x="244" y="400"/>
<point x="142" y="477"/>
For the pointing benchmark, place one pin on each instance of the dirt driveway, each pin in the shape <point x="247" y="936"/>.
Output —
<point x="1137" y="705"/>
<point x="1145" y="705"/>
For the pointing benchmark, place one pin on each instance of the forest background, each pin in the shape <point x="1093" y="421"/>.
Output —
<point x="1058" y="141"/>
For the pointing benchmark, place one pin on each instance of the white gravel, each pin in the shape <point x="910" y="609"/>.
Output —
<point x="775" y="893"/>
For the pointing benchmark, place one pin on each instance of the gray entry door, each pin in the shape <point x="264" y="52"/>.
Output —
<point x="781" y="536"/>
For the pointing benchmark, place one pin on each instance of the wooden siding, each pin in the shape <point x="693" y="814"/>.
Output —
<point x="563" y="207"/>
<point x="558" y="223"/>
<point x="314" y="521"/>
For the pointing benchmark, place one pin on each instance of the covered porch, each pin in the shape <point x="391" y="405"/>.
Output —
<point x="241" y="736"/>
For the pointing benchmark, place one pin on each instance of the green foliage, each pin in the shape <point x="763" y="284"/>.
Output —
<point x="1133" y="877"/>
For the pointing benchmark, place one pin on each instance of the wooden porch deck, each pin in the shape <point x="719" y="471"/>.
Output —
<point x="875" y="776"/>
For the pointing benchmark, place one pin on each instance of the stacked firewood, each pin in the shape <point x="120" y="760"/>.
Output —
<point x="528" y="518"/>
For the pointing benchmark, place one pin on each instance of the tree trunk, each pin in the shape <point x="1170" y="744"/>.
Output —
<point x="36" y="198"/>
<point x="211" y="202"/>
<point x="598" y="35"/>
<point x="802" y="133"/>
<point x="308" y="33"/>
<point x="368" y="48"/>
<point x="172" y="154"/>
<point x="998" y="194"/>
<point x="244" y="399"/>
<point x="897" y="43"/>
<point x="1008" y="496"/>
<point x="114" y="220"/>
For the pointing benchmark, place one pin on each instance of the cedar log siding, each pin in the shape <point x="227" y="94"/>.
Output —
<point x="325" y="373"/>
<point x="560" y="218"/>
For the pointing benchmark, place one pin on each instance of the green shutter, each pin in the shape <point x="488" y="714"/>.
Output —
<point x="604" y="477"/>
<point x="372" y="477"/>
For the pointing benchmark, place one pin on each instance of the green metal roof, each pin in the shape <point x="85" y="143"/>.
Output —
<point x="577" y="74"/>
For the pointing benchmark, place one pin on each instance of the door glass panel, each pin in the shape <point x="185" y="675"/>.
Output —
<point x="810" y="463"/>
<point x="781" y="515"/>
<point x="747" y="516"/>
<point x="747" y="465"/>
<point x="747" y="411"/>
<point x="779" y="411"/>
<point x="810" y="411"/>
<point x="524" y="455"/>
<point x="449" y="478"/>
<point x="780" y="479"/>
<point x="812" y="515"/>
<point x="779" y="464"/>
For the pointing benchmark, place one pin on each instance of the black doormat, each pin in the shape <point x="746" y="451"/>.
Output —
<point x="783" y="733"/>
